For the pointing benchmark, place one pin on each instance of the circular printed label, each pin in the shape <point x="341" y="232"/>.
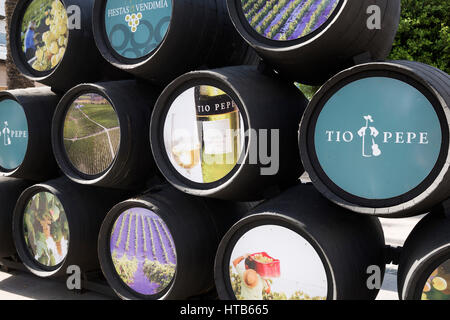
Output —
<point x="44" y="34"/>
<point x="46" y="229"/>
<point x="378" y="138"/>
<point x="143" y="251"/>
<point x="271" y="262"/>
<point x="13" y="134"/>
<point x="287" y="19"/>
<point x="437" y="286"/>
<point x="204" y="134"/>
<point x="91" y="134"/>
<point x="135" y="28"/>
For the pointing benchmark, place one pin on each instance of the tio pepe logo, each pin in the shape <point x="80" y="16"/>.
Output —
<point x="369" y="134"/>
<point x="9" y="134"/>
<point x="376" y="152"/>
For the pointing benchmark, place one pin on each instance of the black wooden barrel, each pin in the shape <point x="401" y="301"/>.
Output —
<point x="424" y="268"/>
<point x="56" y="225"/>
<point x="51" y="42"/>
<point x="161" y="40"/>
<point x="25" y="133"/>
<point x="299" y="246"/>
<point x="161" y="245"/>
<point x="311" y="40"/>
<point x="10" y="190"/>
<point x="228" y="133"/>
<point x="375" y="138"/>
<point x="100" y="133"/>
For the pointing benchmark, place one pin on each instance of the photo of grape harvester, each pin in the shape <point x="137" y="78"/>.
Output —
<point x="44" y="34"/>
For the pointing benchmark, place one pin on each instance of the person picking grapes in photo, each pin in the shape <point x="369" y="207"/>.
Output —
<point x="252" y="285"/>
<point x="30" y="46"/>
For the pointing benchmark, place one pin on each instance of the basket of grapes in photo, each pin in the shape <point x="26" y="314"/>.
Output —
<point x="264" y="265"/>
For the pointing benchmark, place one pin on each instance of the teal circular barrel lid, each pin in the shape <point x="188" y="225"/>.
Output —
<point x="13" y="134"/>
<point x="136" y="28"/>
<point x="377" y="138"/>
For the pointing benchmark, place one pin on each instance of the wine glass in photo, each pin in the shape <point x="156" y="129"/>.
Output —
<point x="185" y="147"/>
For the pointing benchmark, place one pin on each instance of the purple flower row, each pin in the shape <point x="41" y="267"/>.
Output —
<point x="147" y="229"/>
<point x="287" y="19"/>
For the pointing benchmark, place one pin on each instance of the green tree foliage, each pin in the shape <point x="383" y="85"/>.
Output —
<point x="424" y="33"/>
<point x="308" y="91"/>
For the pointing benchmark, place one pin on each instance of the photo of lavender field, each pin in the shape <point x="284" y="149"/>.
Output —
<point x="143" y="251"/>
<point x="287" y="19"/>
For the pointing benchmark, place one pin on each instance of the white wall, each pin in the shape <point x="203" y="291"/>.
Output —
<point x="2" y="31"/>
<point x="2" y="7"/>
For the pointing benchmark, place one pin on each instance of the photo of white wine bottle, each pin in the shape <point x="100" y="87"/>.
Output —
<point x="219" y="131"/>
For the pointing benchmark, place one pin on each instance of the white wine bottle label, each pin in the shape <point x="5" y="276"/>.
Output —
<point x="215" y="106"/>
<point x="203" y="134"/>
<point x="217" y="137"/>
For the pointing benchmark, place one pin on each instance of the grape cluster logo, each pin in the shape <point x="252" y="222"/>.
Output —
<point x="135" y="28"/>
<point x="133" y="21"/>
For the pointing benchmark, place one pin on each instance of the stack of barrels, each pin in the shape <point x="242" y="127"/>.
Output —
<point x="166" y="150"/>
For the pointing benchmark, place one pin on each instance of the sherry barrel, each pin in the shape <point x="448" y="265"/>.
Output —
<point x="375" y="138"/>
<point x="228" y="133"/>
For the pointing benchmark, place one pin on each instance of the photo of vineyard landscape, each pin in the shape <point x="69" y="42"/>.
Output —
<point x="91" y="134"/>
<point x="287" y="19"/>
<point x="143" y="251"/>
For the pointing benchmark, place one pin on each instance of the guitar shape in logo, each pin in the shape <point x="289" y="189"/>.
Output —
<point x="376" y="152"/>
<point x="375" y="149"/>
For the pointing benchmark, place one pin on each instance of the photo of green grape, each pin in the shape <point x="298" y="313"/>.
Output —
<point x="437" y="286"/>
<point x="44" y="34"/>
<point x="46" y="229"/>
